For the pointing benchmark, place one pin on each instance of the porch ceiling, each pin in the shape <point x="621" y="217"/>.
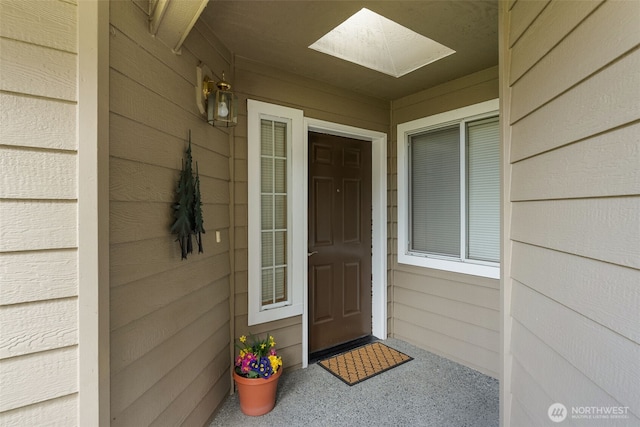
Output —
<point x="278" y="33"/>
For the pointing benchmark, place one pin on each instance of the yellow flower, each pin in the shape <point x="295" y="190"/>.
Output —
<point x="243" y="339"/>
<point x="272" y="342"/>
<point x="276" y="362"/>
<point x="263" y="345"/>
<point x="242" y="353"/>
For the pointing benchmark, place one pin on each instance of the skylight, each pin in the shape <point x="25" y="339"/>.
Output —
<point x="375" y="42"/>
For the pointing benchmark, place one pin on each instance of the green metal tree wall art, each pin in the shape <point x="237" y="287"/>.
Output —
<point x="187" y="210"/>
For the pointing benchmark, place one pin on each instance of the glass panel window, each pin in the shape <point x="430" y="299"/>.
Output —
<point x="276" y="241"/>
<point x="436" y="220"/>
<point x="273" y="208"/>
<point x="483" y="190"/>
<point x="449" y="191"/>
<point x="435" y="192"/>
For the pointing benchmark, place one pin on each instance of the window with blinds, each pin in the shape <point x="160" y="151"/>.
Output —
<point x="273" y="209"/>
<point x="435" y="192"/>
<point x="454" y="191"/>
<point x="483" y="190"/>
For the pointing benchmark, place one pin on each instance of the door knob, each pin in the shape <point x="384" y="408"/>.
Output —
<point x="312" y="253"/>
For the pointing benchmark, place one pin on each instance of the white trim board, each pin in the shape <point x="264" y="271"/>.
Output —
<point x="379" y="219"/>
<point x="93" y="214"/>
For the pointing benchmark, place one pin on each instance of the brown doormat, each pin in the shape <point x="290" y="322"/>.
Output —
<point x="364" y="362"/>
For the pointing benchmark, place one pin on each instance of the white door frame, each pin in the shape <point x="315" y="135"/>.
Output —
<point x="378" y="216"/>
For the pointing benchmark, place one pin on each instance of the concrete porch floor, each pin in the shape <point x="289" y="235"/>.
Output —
<point x="427" y="391"/>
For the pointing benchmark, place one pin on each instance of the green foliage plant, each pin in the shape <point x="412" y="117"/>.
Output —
<point x="187" y="211"/>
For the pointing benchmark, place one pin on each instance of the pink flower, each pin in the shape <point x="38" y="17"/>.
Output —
<point x="246" y="363"/>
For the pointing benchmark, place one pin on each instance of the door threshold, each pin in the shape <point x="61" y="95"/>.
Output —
<point x="319" y="355"/>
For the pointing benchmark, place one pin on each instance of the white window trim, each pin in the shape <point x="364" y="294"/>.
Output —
<point x="379" y="219"/>
<point x="296" y="223"/>
<point x="404" y="131"/>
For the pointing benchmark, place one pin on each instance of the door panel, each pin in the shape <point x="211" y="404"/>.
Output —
<point x="322" y="297"/>
<point x="351" y="291"/>
<point x="351" y="211"/>
<point x="322" y="213"/>
<point x="339" y="240"/>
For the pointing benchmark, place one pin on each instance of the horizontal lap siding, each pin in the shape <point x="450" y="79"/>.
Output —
<point x="599" y="104"/>
<point x="56" y="180"/>
<point x="548" y="375"/>
<point x="50" y="325"/>
<point x="554" y="174"/>
<point x="169" y="318"/>
<point x="38" y="377"/>
<point x="539" y="37"/>
<point x="38" y="275"/>
<point x="573" y="225"/>
<point x="468" y="90"/>
<point x="453" y="315"/>
<point x="59" y="411"/>
<point x="608" y="359"/>
<point x="609" y="293"/>
<point x="38" y="71"/>
<point x="449" y="317"/>
<point x="38" y="213"/>
<point x="574" y="191"/>
<point x="37" y="122"/>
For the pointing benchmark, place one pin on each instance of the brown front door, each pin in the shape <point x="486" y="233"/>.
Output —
<point x="339" y="240"/>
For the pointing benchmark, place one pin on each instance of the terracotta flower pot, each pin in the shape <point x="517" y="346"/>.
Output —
<point x="257" y="395"/>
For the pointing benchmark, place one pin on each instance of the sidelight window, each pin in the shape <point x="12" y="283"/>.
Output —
<point x="273" y="211"/>
<point x="275" y="269"/>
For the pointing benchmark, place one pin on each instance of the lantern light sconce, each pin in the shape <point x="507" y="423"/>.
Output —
<point x="216" y="100"/>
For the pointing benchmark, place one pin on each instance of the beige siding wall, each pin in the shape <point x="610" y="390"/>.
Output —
<point x="169" y="317"/>
<point x="256" y="81"/>
<point x="571" y="87"/>
<point x="450" y="314"/>
<point x="38" y="221"/>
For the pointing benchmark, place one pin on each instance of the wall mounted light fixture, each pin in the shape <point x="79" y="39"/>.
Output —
<point x="215" y="99"/>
